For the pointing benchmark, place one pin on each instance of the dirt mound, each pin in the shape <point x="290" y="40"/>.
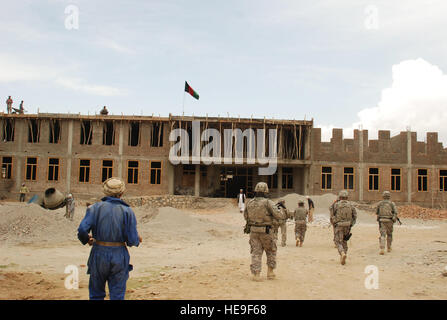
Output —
<point x="29" y="222"/>
<point x="417" y="212"/>
<point x="169" y="223"/>
<point x="321" y="202"/>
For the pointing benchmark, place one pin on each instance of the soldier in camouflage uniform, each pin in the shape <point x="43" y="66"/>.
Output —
<point x="300" y="216"/>
<point x="386" y="216"/>
<point x="344" y="218"/>
<point x="281" y="224"/>
<point x="331" y="219"/>
<point x="259" y="214"/>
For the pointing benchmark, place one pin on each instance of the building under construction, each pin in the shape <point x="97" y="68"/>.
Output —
<point x="76" y="153"/>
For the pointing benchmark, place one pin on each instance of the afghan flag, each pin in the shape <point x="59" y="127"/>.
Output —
<point x="191" y="91"/>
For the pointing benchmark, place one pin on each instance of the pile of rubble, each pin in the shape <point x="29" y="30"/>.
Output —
<point x="417" y="212"/>
<point x="29" y="222"/>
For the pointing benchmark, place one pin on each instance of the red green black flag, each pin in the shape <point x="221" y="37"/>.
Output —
<point x="191" y="91"/>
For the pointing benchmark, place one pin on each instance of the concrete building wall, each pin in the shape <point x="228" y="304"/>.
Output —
<point x="402" y="151"/>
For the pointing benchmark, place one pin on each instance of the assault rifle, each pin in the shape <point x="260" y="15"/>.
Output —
<point x="280" y="205"/>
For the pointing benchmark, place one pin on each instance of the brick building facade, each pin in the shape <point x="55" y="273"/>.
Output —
<point x="76" y="153"/>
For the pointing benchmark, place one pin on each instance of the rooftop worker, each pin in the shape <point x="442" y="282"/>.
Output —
<point x="23" y="191"/>
<point x="20" y="110"/>
<point x="113" y="225"/>
<point x="104" y="111"/>
<point x="9" y="104"/>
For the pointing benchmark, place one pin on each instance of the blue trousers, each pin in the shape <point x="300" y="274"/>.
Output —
<point x="111" y="265"/>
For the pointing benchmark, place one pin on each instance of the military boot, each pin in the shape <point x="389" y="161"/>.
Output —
<point x="270" y="274"/>
<point x="297" y="242"/>
<point x="389" y="249"/>
<point x="382" y="251"/>
<point x="256" y="276"/>
<point x="301" y="243"/>
<point x="343" y="258"/>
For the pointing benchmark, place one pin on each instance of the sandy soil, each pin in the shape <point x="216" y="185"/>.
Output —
<point x="204" y="254"/>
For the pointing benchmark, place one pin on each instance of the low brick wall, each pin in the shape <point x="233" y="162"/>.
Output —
<point x="177" y="201"/>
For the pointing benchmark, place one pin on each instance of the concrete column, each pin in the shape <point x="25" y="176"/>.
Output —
<point x="409" y="167"/>
<point x="197" y="181"/>
<point x="306" y="180"/>
<point x="120" y="150"/>
<point x="171" y="175"/>
<point x="279" y="189"/>
<point x="69" y="154"/>
<point x="361" y="172"/>
<point x="19" y="136"/>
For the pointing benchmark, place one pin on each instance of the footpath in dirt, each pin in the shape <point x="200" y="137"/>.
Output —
<point x="203" y="254"/>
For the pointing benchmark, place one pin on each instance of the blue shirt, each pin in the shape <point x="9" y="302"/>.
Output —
<point x="111" y="220"/>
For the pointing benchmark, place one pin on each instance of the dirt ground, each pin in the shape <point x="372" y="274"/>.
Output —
<point x="204" y="254"/>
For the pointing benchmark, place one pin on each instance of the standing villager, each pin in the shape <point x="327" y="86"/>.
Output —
<point x="259" y="214"/>
<point x="241" y="200"/>
<point x="23" y="191"/>
<point x="69" y="207"/>
<point x="113" y="225"/>
<point x="345" y="217"/>
<point x="9" y="104"/>
<point x="300" y="216"/>
<point x="386" y="216"/>
<point x="311" y="208"/>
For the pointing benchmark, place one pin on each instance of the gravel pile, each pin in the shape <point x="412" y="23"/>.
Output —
<point x="21" y="222"/>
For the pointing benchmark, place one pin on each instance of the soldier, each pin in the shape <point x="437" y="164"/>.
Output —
<point x="300" y="216"/>
<point x="386" y="216"/>
<point x="344" y="218"/>
<point x="259" y="214"/>
<point x="281" y="224"/>
<point x="331" y="219"/>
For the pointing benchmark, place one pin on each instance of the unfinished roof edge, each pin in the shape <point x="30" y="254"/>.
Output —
<point x="158" y="118"/>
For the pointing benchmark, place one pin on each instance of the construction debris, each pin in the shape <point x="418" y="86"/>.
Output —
<point x="417" y="212"/>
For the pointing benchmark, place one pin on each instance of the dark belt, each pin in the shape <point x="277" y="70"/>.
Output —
<point x="110" y="244"/>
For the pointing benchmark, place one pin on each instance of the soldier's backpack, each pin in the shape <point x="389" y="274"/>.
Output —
<point x="343" y="213"/>
<point x="257" y="211"/>
<point x="385" y="210"/>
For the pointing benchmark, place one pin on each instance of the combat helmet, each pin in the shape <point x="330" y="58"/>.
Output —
<point x="262" y="187"/>
<point x="386" y="195"/>
<point x="343" y="194"/>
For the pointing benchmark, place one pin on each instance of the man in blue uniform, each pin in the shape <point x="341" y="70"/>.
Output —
<point x="113" y="226"/>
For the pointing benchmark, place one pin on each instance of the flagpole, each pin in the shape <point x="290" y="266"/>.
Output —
<point x="183" y="106"/>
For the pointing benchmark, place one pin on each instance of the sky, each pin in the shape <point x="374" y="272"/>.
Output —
<point x="376" y="65"/>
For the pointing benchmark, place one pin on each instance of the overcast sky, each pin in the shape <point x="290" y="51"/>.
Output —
<point x="344" y="63"/>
